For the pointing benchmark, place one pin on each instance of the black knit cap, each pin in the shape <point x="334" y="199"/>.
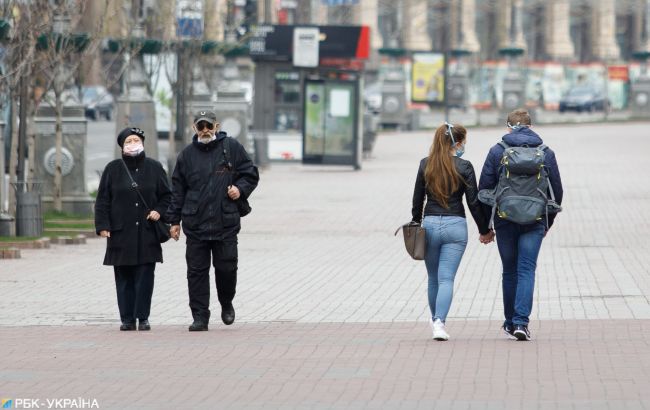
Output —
<point x="126" y="132"/>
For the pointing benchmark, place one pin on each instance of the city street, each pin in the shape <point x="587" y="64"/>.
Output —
<point x="331" y="311"/>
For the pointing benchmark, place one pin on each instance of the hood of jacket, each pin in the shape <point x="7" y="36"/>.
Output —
<point x="523" y="136"/>
<point x="210" y="145"/>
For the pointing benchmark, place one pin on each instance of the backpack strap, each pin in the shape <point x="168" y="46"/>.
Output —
<point x="503" y="144"/>
<point x="226" y="152"/>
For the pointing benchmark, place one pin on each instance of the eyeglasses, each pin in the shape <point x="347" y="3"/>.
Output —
<point x="204" y="125"/>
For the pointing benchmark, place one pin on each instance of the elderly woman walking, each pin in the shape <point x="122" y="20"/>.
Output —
<point x="126" y="218"/>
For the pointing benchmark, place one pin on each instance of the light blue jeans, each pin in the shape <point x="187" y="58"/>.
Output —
<point x="446" y="243"/>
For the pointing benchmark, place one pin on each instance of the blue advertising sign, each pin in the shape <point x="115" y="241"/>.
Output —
<point x="189" y="27"/>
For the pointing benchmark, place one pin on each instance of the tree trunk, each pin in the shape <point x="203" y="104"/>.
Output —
<point x="171" y="155"/>
<point x="13" y="156"/>
<point x="58" y="177"/>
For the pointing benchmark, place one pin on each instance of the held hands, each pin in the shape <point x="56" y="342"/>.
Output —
<point x="487" y="238"/>
<point x="175" y="232"/>
<point x="233" y="192"/>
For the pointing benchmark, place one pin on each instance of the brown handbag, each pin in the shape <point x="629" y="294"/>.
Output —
<point x="415" y="239"/>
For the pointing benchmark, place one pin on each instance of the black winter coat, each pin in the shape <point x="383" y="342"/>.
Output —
<point x="119" y="210"/>
<point x="200" y="184"/>
<point x="455" y="207"/>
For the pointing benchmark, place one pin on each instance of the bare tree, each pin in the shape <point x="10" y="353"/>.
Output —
<point x="26" y="24"/>
<point x="61" y="51"/>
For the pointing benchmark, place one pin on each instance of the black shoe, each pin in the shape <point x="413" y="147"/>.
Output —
<point x="228" y="314"/>
<point x="509" y="331"/>
<point x="198" y="326"/>
<point x="127" y="326"/>
<point x="144" y="325"/>
<point x="521" y="332"/>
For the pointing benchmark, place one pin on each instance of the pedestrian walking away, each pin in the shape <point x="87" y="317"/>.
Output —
<point x="521" y="187"/>
<point x="132" y="245"/>
<point x="212" y="181"/>
<point x="443" y="178"/>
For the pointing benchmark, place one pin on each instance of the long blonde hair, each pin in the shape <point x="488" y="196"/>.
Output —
<point x="441" y="176"/>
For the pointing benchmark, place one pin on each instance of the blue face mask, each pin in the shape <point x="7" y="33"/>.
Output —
<point x="461" y="151"/>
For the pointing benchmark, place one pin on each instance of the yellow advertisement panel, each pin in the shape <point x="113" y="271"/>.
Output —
<point x="428" y="78"/>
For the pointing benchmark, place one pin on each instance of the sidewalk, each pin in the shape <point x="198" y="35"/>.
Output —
<point x="331" y="312"/>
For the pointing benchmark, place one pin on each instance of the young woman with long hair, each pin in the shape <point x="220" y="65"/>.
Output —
<point x="443" y="178"/>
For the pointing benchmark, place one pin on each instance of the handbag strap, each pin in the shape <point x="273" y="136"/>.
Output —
<point x="135" y="185"/>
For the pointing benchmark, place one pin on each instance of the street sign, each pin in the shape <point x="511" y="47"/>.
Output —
<point x="305" y="46"/>
<point x="189" y="19"/>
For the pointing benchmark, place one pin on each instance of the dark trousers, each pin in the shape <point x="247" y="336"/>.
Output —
<point x="224" y="259"/>
<point x="134" y="286"/>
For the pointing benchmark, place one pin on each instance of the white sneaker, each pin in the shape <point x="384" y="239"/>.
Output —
<point x="439" y="332"/>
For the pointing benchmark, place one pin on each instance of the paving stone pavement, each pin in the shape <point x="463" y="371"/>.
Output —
<point x="324" y="286"/>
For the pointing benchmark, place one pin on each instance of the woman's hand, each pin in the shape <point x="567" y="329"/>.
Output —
<point x="487" y="238"/>
<point x="105" y="234"/>
<point x="153" y="215"/>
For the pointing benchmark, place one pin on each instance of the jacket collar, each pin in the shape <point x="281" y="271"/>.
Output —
<point x="134" y="162"/>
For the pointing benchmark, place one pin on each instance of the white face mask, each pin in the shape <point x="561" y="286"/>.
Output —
<point x="133" y="149"/>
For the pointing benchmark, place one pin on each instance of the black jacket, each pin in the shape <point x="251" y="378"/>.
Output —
<point x="491" y="167"/>
<point x="200" y="183"/>
<point x="119" y="210"/>
<point x="455" y="201"/>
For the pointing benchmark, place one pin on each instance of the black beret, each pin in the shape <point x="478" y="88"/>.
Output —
<point x="126" y="132"/>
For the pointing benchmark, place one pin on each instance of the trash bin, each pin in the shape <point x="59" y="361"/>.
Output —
<point x="7" y="225"/>
<point x="29" y="218"/>
<point x="261" y="146"/>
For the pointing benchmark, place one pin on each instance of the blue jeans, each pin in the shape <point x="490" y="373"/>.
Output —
<point x="446" y="242"/>
<point x="518" y="247"/>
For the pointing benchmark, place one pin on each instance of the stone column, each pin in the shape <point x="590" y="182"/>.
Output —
<point x="604" y="31"/>
<point x="213" y="19"/>
<point x="468" y="39"/>
<point x="503" y="16"/>
<point x="369" y="17"/>
<point x="558" y="37"/>
<point x="414" y="26"/>
<point x="514" y="19"/>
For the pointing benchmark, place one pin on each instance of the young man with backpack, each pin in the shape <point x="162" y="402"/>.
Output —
<point x="521" y="186"/>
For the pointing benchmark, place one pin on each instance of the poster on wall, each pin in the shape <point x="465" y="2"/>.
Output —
<point x="618" y="86"/>
<point x="428" y="78"/>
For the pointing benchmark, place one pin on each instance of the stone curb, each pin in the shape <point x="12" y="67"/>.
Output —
<point x="9" y="253"/>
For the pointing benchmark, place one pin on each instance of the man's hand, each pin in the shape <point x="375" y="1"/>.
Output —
<point x="153" y="215"/>
<point x="233" y="192"/>
<point x="175" y="232"/>
<point x="105" y="234"/>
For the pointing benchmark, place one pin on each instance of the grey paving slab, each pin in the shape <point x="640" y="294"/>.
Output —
<point x="584" y="364"/>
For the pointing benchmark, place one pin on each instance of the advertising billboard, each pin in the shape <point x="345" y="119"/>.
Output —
<point x="428" y="78"/>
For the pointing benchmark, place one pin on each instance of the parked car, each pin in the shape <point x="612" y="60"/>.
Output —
<point x="97" y="102"/>
<point x="584" y="98"/>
